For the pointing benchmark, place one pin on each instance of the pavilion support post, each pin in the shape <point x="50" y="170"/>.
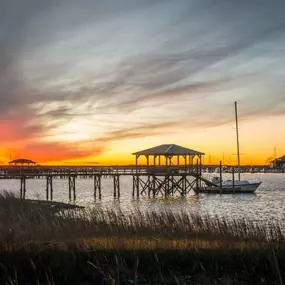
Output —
<point x="189" y="163"/>
<point x="185" y="162"/>
<point x="148" y="177"/>
<point x="159" y="160"/>
<point x="178" y="162"/>
<point x="154" y="160"/>
<point x="137" y="159"/>
<point x="147" y="160"/>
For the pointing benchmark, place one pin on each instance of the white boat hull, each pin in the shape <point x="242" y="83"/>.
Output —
<point x="230" y="186"/>
<point x="249" y="188"/>
<point x="244" y="188"/>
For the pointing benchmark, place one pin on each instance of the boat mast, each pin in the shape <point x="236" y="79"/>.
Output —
<point x="237" y="132"/>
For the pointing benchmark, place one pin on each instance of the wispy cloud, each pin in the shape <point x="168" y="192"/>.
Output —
<point x="129" y="69"/>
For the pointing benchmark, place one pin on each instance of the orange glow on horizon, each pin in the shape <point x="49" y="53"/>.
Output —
<point x="258" y="139"/>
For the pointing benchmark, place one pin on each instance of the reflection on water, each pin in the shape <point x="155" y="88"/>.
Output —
<point x="266" y="205"/>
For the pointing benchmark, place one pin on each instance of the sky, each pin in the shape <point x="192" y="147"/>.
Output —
<point x="90" y="82"/>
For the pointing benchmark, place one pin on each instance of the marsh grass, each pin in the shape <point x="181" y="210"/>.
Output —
<point x="55" y="243"/>
<point x="23" y="222"/>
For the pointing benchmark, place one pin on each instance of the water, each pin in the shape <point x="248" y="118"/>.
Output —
<point x="266" y="205"/>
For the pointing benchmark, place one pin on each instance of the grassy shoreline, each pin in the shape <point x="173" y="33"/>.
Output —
<point x="46" y="243"/>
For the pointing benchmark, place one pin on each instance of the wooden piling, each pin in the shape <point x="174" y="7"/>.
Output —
<point x="97" y="185"/>
<point x="135" y="177"/>
<point x="49" y="188"/>
<point x="116" y="180"/>
<point x="233" y="170"/>
<point x="221" y="177"/>
<point x="72" y="186"/>
<point x="138" y="186"/>
<point x="23" y="187"/>
<point x="197" y="177"/>
<point x="153" y="183"/>
<point x="74" y="189"/>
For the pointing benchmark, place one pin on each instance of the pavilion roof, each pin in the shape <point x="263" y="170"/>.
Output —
<point x="168" y="149"/>
<point x="22" y="161"/>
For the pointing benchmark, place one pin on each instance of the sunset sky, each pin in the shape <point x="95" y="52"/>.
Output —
<point x="92" y="81"/>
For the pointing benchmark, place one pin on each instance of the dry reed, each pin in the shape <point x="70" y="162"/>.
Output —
<point x="50" y="243"/>
<point x="23" y="222"/>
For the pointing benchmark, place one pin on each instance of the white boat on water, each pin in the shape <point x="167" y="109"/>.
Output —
<point x="243" y="186"/>
<point x="234" y="186"/>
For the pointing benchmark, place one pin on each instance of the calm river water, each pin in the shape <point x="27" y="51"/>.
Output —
<point x="268" y="204"/>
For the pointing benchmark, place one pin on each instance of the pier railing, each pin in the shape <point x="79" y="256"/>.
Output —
<point x="43" y="171"/>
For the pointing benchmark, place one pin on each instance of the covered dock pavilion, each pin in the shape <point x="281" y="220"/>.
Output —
<point x="163" y="175"/>
<point x="170" y="155"/>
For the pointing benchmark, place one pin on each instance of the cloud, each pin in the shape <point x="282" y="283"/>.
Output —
<point x="22" y="139"/>
<point x="48" y="152"/>
<point x="138" y="131"/>
<point x="18" y="129"/>
<point x="132" y="69"/>
<point x="160" y="97"/>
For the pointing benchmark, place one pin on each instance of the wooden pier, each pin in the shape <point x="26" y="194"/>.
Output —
<point x="157" y="179"/>
<point x="144" y="183"/>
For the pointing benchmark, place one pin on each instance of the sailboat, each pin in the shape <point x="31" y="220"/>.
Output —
<point x="240" y="186"/>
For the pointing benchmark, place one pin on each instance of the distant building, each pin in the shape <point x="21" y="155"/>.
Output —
<point x="278" y="163"/>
